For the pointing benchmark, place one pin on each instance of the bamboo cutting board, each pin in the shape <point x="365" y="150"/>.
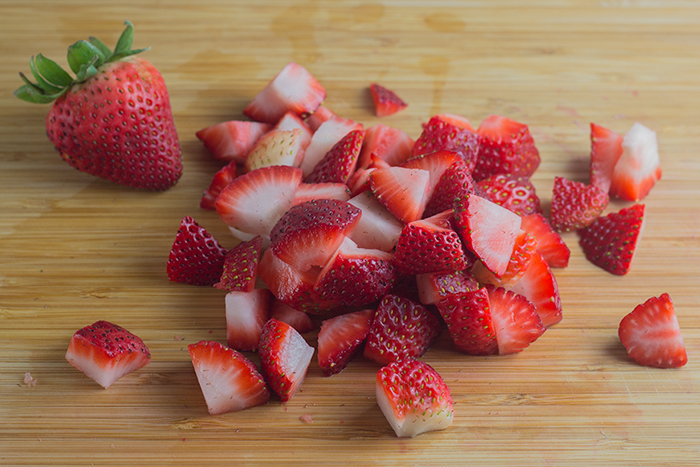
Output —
<point x="74" y="249"/>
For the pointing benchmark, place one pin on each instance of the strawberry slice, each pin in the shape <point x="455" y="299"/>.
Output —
<point x="377" y="228"/>
<point x="294" y="89"/>
<point x="652" y="336"/>
<point x="326" y="136"/>
<point x="638" y="169"/>
<point x="322" y="114"/>
<point x="229" y="381"/>
<point x="378" y="163"/>
<point x="488" y="230"/>
<point x="339" y="163"/>
<point x="515" y="320"/>
<point x="254" y="202"/>
<point x="401" y="329"/>
<point x="514" y="193"/>
<point x="105" y="352"/>
<point x="340" y="339"/>
<point x="246" y="314"/>
<point x="413" y="398"/>
<point x="430" y="245"/>
<point x="468" y="318"/>
<point x="284" y="358"/>
<point x="549" y="242"/>
<point x="440" y="135"/>
<point x="436" y="163"/>
<point x="311" y="191"/>
<point x="297" y="319"/>
<point x="356" y="276"/>
<point x="540" y="287"/>
<point x="404" y="192"/>
<point x="221" y="179"/>
<point x="610" y="241"/>
<point x="456" y="183"/>
<point x="359" y="181"/>
<point x="525" y="247"/>
<point x="435" y="286"/>
<point x="606" y="149"/>
<point x="391" y="145"/>
<point x="292" y="121"/>
<point x="505" y="147"/>
<point x="386" y="102"/>
<point x="575" y="205"/>
<point x="241" y="266"/>
<point x="232" y="141"/>
<point x="278" y="147"/>
<point x="196" y="258"/>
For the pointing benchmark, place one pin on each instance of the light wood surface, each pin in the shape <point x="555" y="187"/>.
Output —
<point x="75" y="249"/>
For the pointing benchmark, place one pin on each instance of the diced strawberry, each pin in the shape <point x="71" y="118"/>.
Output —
<point x="401" y="329"/>
<point x="440" y="135"/>
<point x="436" y="163"/>
<point x="456" y="120"/>
<point x="456" y="183"/>
<point x="232" y="141"/>
<point x="196" y="258"/>
<point x="241" y="266"/>
<point x="292" y="121"/>
<point x="404" y="192"/>
<point x="539" y="286"/>
<point x="488" y="230"/>
<point x="340" y="338"/>
<point x="284" y="358"/>
<point x="514" y="193"/>
<point x="505" y="147"/>
<point x="610" y="241"/>
<point x="246" y="314"/>
<point x="377" y="228"/>
<point x="359" y="181"/>
<point x="652" y="336"/>
<point x="311" y="191"/>
<point x="338" y="163"/>
<point x="278" y="147"/>
<point x="386" y="102"/>
<point x="549" y="242"/>
<point x="321" y="115"/>
<point x="468" y="318"/>
<point x="254" y="202"/>
<point x="221" y="178"/>
<point x="638" y="168"/>
<point x="430" y="245"/>
<point x="436" y="286"/>
<point x="378" y="163"/>
<point x="575" y="205"/>
<point x="515" y="320"/>
<point x="293" y="89"/>
<point x="297" y="319"/>
<point x="105" y="352"/>
<point x="389" y="144"/>
<point x="414" y="398"/>
<point x="326" y="136"/>
<point x="525" y="247"/>
<point x="606" y="149"/>
<point x="229" y="381"/>
<point x="406" y="287"/>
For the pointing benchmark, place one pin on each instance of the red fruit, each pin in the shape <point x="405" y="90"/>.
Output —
<point x="436" y="163"/>
<point x="284" y="358"/>
<point x="294" y="89"/>
<point x="525" y="247"/>
<point x="549" y="242"/>
<point x="196" y="258"/>
<point x="401" y="329"/>
<point x="539" y="286"/>
<point x="340" y="338"/>
<point x="114" y="119"/>
<point x="651" y="334"/>
<point x="293" y="317"/>
<point x="386" y="102"/>
<point x="322" y="114"/>
<point x="292" y="121"/>
<point x="606" y="149"/>
<point x="105" y="352"/>
<point x="241" y="267"/>
<point x="435" y="286"/>
<point x="232" y="141"/>
<point x="413" y="398"/>
<point x="638" y="168"/>
<point x="404" y="192"/>
<point x="506" y="147"/>
<point x="468" y="318"/>
<point x="359" y="181"/>
<point x="311" y="191"/>
<point x="516" y="194"/>
<point x="456" y="183"/>
<point x="377" y="228"/>
<point x="456" y="120"/>
<point x="391" y="145"/>
<point x="575" y="205"/>
<point x="278" y="147"/>
<point x="429" y="245"/>
<point x="339" y="163"/>
<point x="378" y="163"/>
<point x="221" y="179"/>
<point x="610" y="241"/>
<point x="439" y="134"/>
<point x="246" y="314"/>
<point x="326" y="136"/>
<point x="229" y="381"/>
<point x="515" y="320"/>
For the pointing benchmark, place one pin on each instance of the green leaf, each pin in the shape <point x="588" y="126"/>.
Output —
<point x="87" y="70"/>
<point x="30" y="84"/>
<point x="41" y="82"/>
<point x="83" y="52"/>
<point x="101" y="45"/>
<point x="29" y="94"/>
<point x="53" y="72"/>
<point x="125" y="40"/>
<point x="119" y="56"/>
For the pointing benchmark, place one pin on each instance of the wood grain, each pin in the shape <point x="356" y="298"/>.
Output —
<point x="74" y="249"/>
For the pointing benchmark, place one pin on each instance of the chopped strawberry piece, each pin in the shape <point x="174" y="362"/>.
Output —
<point x="436" y="286"/>
<point x="540" y="287"/>
<point x="638" y="168"/>
<point x="391" y="145"/>
<point x="406" y="287"/>
<point x="610" y="241"/>
<point x="468" y="318"/>
<point x="340" y="338"/>
<point x="575" y="205"/>
<point x="359" y="181"/>
<point x="105" y="352"/>
<point x="292" y="121"/>
<point x="297" y="319"/>
<point x="414" y="398"/>
<point x="606" y="149"/>
<point x="196" y="258"/>
<point x="549" y="242"/>
<point x="404" y="192"/>
<point x="440" y="135"/>
<point x="278" y="147"/>
<point x="456" y="183"/>
<point x="514" y="193"/>
<point x="652" y="336"/>
<point x="241" y="267"/>
<point x="293" y="89"/>
<point x="377" y="228"/>
<point x="321" y="115"/>
<point x="246" y="314"/>
<point x="386" y="102"/>
<point x="456" y="120"/>
<point x="221" y="179"/>
<point x="515" y="320"/>
<point x="505" y="147"/>
<point x="525" y="247"/>
<point x="436" y="163"/>
<point x="232" y="141"/>
<point x="311" y="191"/>
<point x="229" y="381"/>
<point x="378" y="163"/>
<point x="326" y="136"/>
<point x="339" y="163"/>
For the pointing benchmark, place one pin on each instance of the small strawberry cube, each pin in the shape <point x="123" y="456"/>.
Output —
<point x="436" y="286"/>
<point x="196" y="258"/>
<point x="638" y="168"/>
<point x="606" y="149"/>
<point x="505" y="147"/>
<point x="404" y="192"/>
<point x="246" y="314"/>
<point x="386" y="102"/>
<point x="340" y="338"/>
<point x="297" y="319"/>
<point x="377" y="228"/>
<point x="232" y="141"/>
<point x="326" y="136"/>
<point x="391" y="145"/>
<point x="468" y="318"/>
<point x="241" y="266"/>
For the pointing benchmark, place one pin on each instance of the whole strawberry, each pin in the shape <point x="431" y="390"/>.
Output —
<point x="113" y="120"/>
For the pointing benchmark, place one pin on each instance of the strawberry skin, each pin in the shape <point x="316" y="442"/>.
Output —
<point x="232" y="141"/>
<point x="438" y="285"/>
<point x="516" y="194"/>
<point x="439" y="134"/>
<point x="468" y="318"/>
<point x="278" y="147"/>
<point x="540" y="287"/>
<point x="386" y="102"/>
<point x="221" y="179"/>
<point x="505" y="147"/>
<point x="339" y="163"/>
<point x="652" y="336"/>
<point x="456" y="183"/>
<point x="525" y="247"/>
<point x="105" y="352"/>
<point x="549" y="242"/>
<point x="340" y="338"/>
<point x="196" y="258"/>
<point x="606" y="149"/>
<point x="241" y="266"/>
<point x="515" y="320"/>
<point x="575" y="205"/>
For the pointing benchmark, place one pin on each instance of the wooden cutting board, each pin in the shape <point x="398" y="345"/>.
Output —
<point x="74" y="249"/>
